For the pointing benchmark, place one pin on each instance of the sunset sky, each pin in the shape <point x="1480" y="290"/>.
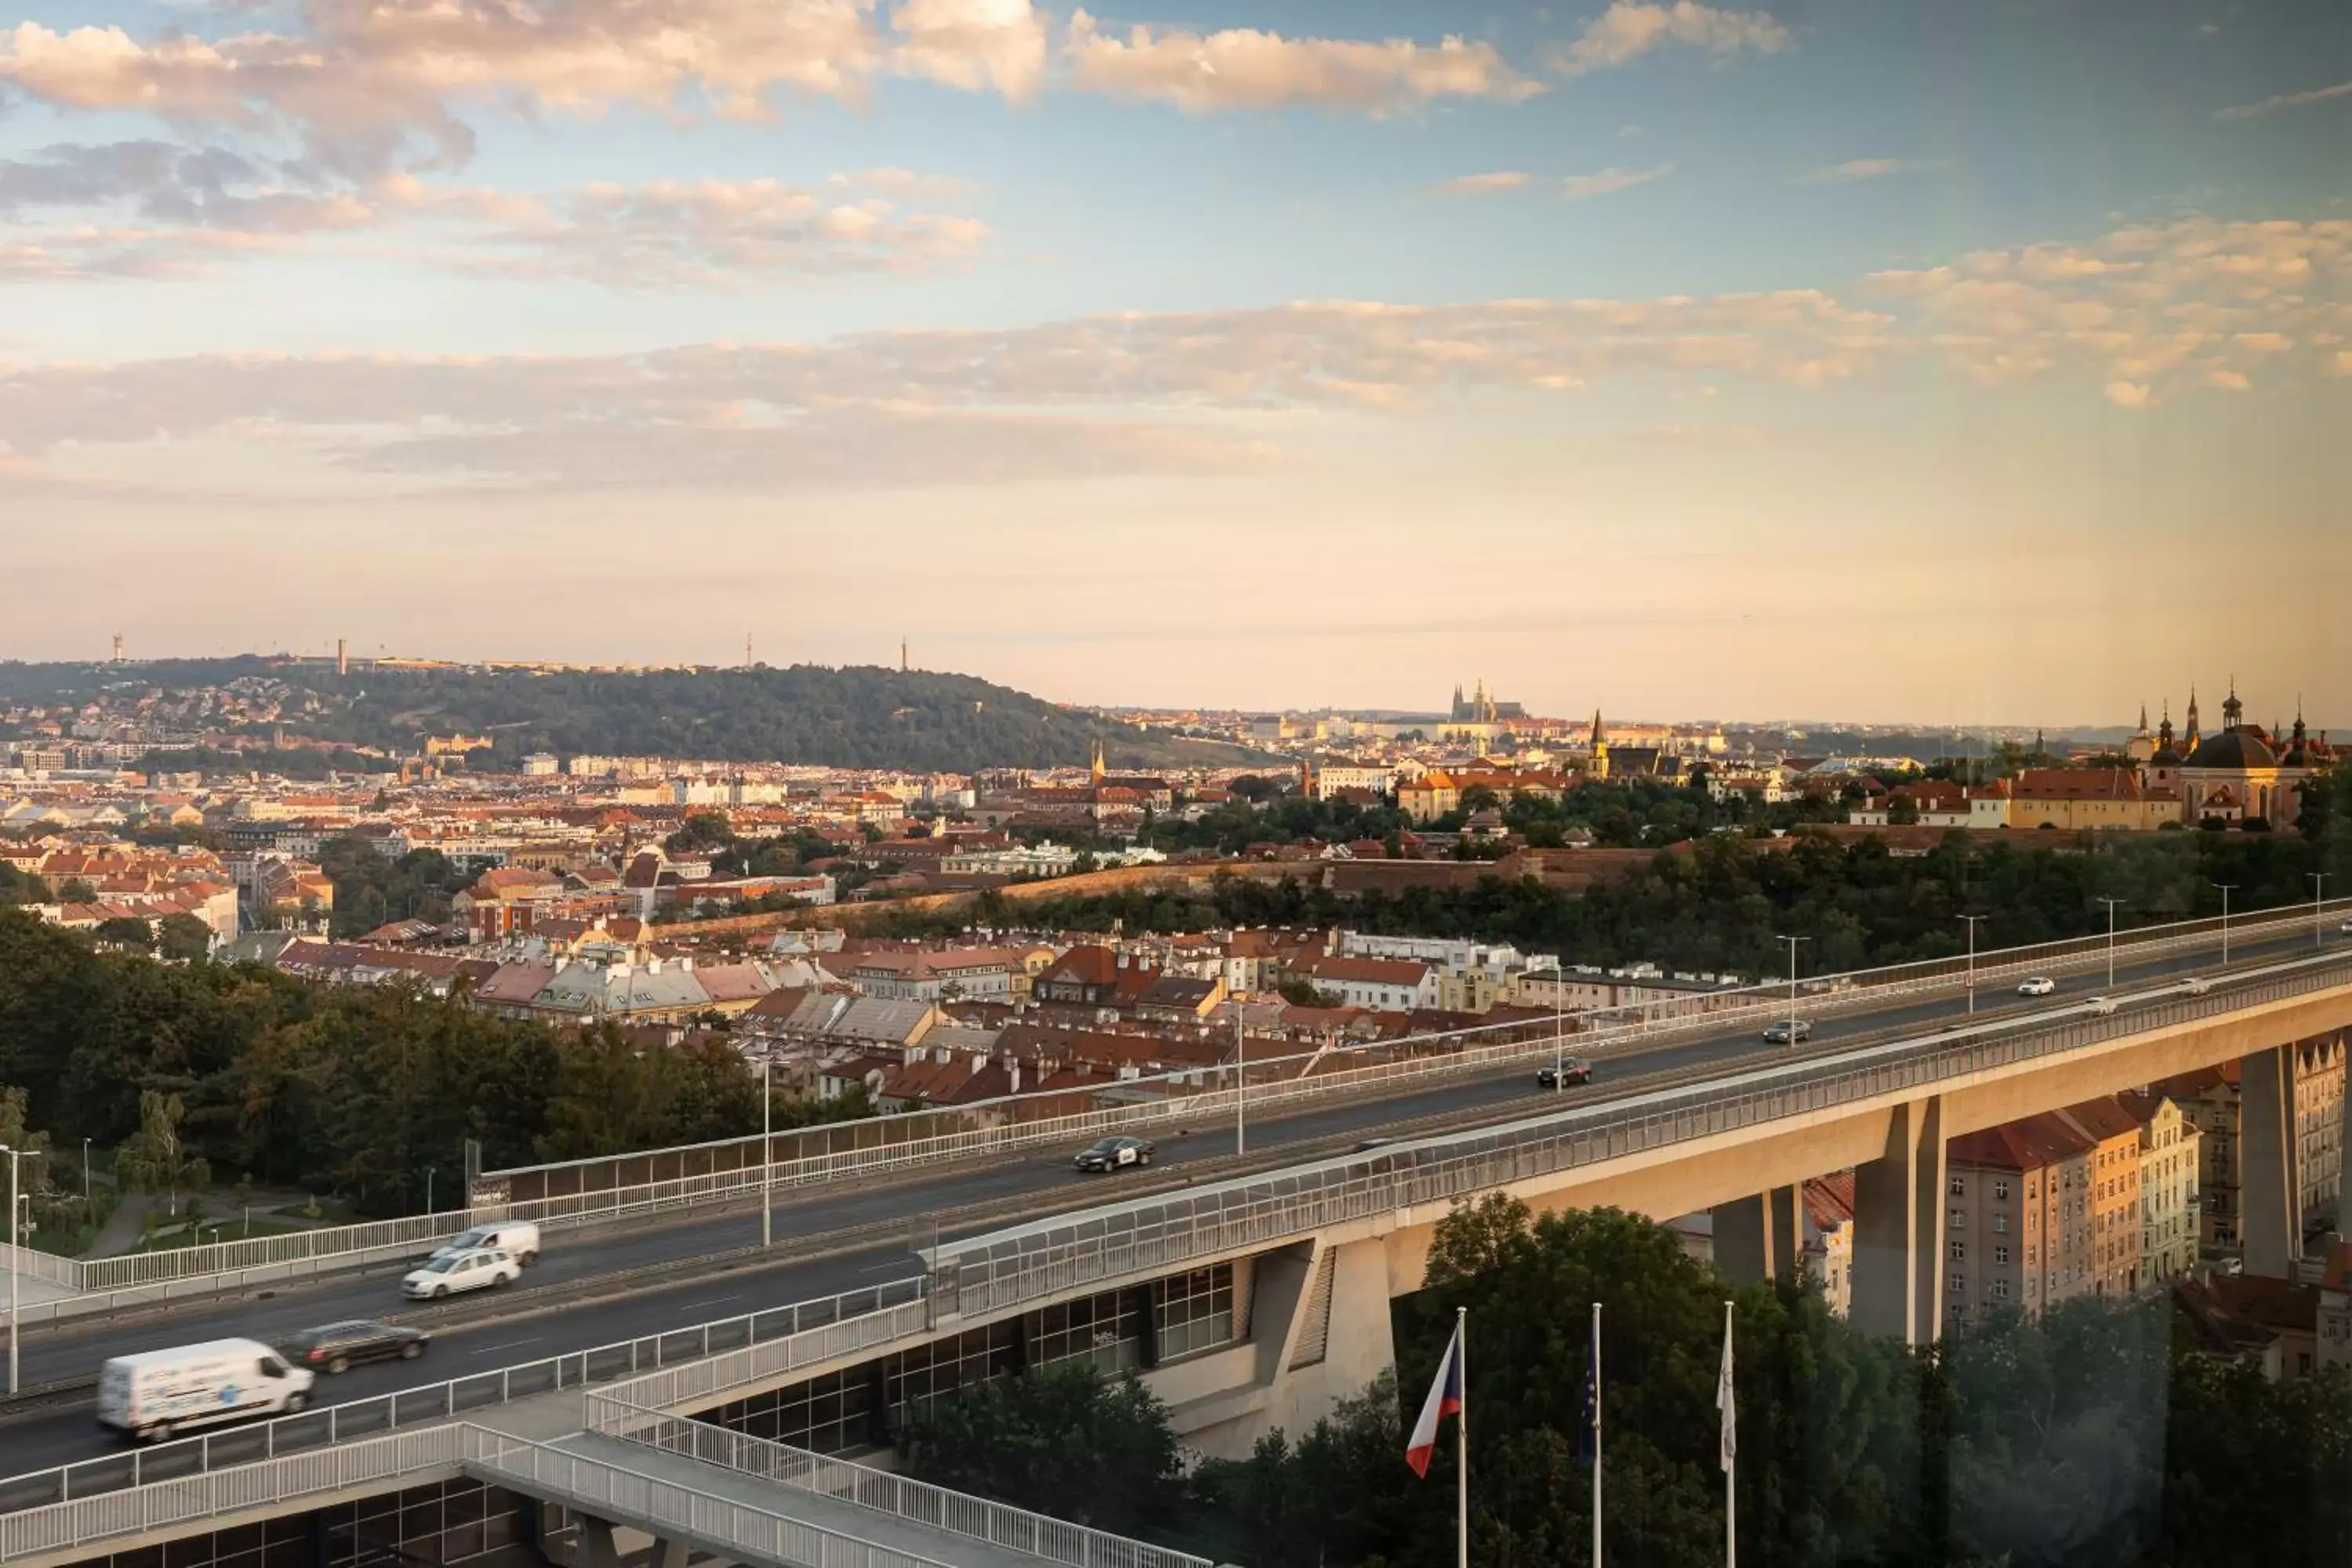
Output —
<point x="1971" y="363"/>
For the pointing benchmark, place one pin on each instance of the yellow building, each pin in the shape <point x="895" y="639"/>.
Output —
<point x="2112" y="1193"/>
<point x="2169" y="1198"/>
<point x="2081" y="799"/>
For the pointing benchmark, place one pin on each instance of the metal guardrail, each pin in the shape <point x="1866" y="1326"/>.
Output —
<point x="810" y="1329"/>
<point x="918" y="1502"/>
<point x="878" y="1145"/>
<point x="82" y="1525"/>
<point x="741" y="1532"/>
<point x="1171" y="1232"/>
<point x="704" y="1380"/>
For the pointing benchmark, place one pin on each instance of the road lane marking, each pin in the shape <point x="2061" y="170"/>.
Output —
<point x="712" y="1302"/>
<point x="505" y="1345"/>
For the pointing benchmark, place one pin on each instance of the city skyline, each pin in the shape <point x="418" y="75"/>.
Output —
<point x="1726" y="359"/>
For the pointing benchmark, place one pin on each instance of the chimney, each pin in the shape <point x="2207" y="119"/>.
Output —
<point x="1013" y="1071"/>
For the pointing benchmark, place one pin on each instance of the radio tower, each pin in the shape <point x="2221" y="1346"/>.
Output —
<point x="118" y="648"/>
<point x="747" y="650"/>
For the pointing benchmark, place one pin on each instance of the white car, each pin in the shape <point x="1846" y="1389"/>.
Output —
<point x="519" y="1236"/>
<point x="2037" y="986"/>
<point x="482" y="1270"/>
<point x="2103" y="1005"/>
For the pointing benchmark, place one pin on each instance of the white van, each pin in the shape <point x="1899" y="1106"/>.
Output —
<point x="518" y="1238"/>
<point x="155" y="1394"/>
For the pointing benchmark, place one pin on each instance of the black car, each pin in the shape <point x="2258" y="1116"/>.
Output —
<point x="1115" y="1154"/>
<point x="1573" y="1071"/>
<point x="1788" y="1032"/>
<point x="338" y="1347"/>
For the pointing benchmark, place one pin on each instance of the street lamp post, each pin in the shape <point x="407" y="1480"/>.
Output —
<point x="1241" y="1081"/>
<point x="1973" y="920"/>
<point x="428" y="1188"/>
<point x="2111" y="904"/>
<point x="1792" y="942"/>
<point x="12" y="1235"/>
<point x="87" y="1207"/>
<point x="2227" y="889"/>
<point x="2318" y="904"/>
<point x="767" y="1159"/>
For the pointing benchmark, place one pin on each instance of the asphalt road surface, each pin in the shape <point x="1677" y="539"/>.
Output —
<point x="61" y="1434"/>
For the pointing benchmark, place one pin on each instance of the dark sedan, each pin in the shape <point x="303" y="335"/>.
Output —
<point x="339" y="1347"/>
<point x="1115" y="1154"/>
<point x="1575" y="1070"/>
<point x="1788" y="1032"/>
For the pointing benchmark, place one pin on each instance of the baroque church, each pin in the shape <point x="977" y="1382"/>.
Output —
<point x="2240" y="771"/>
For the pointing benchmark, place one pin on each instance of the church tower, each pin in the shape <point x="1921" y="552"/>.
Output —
<point x="2189" y="737"/>
<point x="1095" y="769"/>
<point x="2233" y="712"/>
<point x="1599" y="768"/>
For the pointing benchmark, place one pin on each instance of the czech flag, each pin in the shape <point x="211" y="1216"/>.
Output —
<point x="1444" y="1399"/>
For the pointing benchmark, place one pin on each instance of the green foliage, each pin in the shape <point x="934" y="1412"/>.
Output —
<point x="154" y="1159"/>
<point x="22" y="887"/>
<point x="77" y="891"/>
<point x="372" y="891"/>
<point x="351" y="1090"/>
<point x="1063" y="1441"/>
<point x="183" y="938"/>
<point x="125" y="931"/>
<point x="285" y="761"/>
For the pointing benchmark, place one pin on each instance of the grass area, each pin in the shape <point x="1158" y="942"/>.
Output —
<point x="331" y="1212"/>
<point x="222" y="1230"/>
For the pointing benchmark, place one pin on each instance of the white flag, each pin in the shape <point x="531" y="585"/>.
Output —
<point x="1724" y="1402"/>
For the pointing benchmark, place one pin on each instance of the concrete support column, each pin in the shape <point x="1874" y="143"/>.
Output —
<point x="2270" y="1193"/>
<point x="1757" y="1237"/>
<point x="1898" y="1237"/>
<point x="1360" y="1344"/>
<point x="2344" y="1152"/>
<point x="667" y="1554"/>
<point x="594" y="1540"/>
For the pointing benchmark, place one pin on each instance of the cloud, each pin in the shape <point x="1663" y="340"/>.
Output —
<point x="1243" y="68"/>
<point x="2128" y="393"/>
<point x="1856" y="169"/>
<point x="2229" y="380"/>
<point x="146" y="210"/>
<point x="2273" y="104"/>
<point x="1482" y="185"/>
<point x="1628" y="30"/>
<point x="972" y="44"/>
<point x="1580" y="187"/>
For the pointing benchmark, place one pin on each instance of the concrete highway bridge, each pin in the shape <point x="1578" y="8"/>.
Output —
<point x="1250" y="1290"/>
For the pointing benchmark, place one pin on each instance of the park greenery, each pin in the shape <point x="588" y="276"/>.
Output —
<point x="349" y="1090"/>
<point x="2094" y="1434"/>
<point x="372" y="891"/>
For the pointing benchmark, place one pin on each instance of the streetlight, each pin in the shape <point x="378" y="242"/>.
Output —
<point x="428" y="1189"/>
<point x="1241" y="1082"/>
<point x="1972" y="920"/>
<point x="2319" y="886"/>
<point x="2111" y="904"/>
<point x="1558" y="1025"/>
<point x="767" y="1159"/>
<point x="87" y="1207"/>
<point x="13" y="1156"/>
<point x="1792" y="942"/>
<point x="2227" y="889"/>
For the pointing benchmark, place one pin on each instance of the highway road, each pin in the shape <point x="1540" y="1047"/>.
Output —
<point x="58" y="1435"/>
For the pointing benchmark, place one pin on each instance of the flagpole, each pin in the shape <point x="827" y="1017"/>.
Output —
<point x="1730" y="1459"/>
<point x="1596" y="1434"/>
<point x="1462" y="1440"/>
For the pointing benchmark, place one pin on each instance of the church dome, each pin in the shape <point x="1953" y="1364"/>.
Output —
<point x="2236" y="748"/>
<point x="2166" y="758"/>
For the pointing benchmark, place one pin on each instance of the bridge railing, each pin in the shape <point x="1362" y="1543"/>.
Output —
<point x="85" y="1525"/>
<point x="813" y="1330"/>
<point x="918" y="1502"/>
<point x="1171" y="1232"/>
<point x="583" y="1193"/>
<point x="741" y="1532"/>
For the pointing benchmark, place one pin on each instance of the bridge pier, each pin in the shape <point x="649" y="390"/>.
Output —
<point x="1758" y="1236"/>
<point x="1898" y="1220"/>
<point x="2270" y="1187"/>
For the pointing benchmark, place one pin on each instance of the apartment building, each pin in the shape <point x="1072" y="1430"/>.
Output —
<point x="2209" y="1101"/>
<point x="2169" y="1200"/>
<point x="2112" y="1194"/>
<point x="2018" y="1219"/>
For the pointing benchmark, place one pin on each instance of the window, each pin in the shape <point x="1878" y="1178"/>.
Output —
<point x="1196" y="1310"/>
<point x="2001" y="1224"/>
<point x="2000" y="1190"/>
<point x="1957" y="1218"/>
<point x="2000" y="1289"/>
<point x="2000" y="1256"/>
<point x="1959" y="1186"/>
<point x="1959" y="1251"/>
<point x="1959" y="1283"/>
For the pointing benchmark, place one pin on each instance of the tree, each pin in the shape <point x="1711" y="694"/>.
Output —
<point x="154" y="1159"/>
<point x="1065" y="1441"/>
<point x="125" y="931"/>
<point x="183" y="938"/>
<point x="77" y="891"/>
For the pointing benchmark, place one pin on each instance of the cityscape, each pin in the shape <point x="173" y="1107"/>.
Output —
<point x="967" y="783"/>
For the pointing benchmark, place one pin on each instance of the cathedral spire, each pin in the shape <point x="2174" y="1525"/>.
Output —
<point x="2233" y="712"/>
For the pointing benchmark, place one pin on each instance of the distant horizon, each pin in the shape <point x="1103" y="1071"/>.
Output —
<point x="2209" y="705"/>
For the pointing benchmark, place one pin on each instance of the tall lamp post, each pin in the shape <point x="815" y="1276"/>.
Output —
<point x="87" y="1207"/>
<point x="1792" y="942"/>
<point x="2111" y="904"/>
<point x="1558" y="1024"/>
<point x="2318" y="904"/>
<point x="767" y="1159"/>
<point x="1973" y="921"/>
<point x="428" y="1189"/>
<point x="14" y="1233"/>
<point x="2227" y="889"/>
<point x="1241" y="1080"/>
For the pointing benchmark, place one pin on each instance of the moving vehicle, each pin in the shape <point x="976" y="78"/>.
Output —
<point x="483" y="1269"/>
<point x="1115" y="1154"/>
<point x="1788" y="1032"/>
<point x="2103" y="1005"/>
<point x="1575" y="1070"/>
<point x="155" y="1394"/>
<point x="2197" y="986"/>
<point x="517" y="1238"/>
<point x="2037" y="986"/>
<point x="339" y="1347"/>
<point x="1369" y="1144"/>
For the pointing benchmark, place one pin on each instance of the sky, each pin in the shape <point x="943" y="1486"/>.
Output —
<point x="1883" y="360"/>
